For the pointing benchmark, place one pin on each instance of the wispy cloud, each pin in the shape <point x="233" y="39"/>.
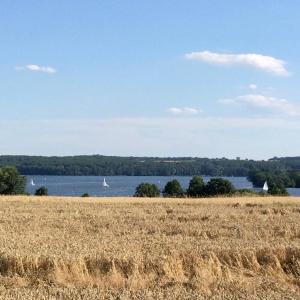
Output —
<point x="37" y="68"/>
<point x="183" y="111"/>
<point x="277" y="105"/>
<point x="262" y="62"/>
<point x="252" y="86"/>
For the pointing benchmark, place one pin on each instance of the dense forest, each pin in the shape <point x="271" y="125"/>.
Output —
<point x="144" y="166"/>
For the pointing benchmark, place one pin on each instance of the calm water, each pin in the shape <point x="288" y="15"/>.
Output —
<point x="118" y="185"/>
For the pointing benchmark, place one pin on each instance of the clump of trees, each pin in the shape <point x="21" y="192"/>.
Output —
<point x="198" y="189"/>
<point x="11" y="182"/>
<point x="285" y="179"/>
<point x="147" y="190"/>
<point x="215" y="187"/>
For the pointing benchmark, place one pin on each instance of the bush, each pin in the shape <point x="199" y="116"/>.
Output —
<point x="147" y="190"/>
<point x="173" y="189"/>
<point x="42" y="191"/>
<point x="196" y="187"/>
<point x="85" y="195"/>
<point x="277" y="188"/>
<point x="11" y="182"/>
<point x="219" y="186"/>
<point x="245" y="192"/>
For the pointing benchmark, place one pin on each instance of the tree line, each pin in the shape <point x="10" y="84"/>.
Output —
<point x="143" y="166"/>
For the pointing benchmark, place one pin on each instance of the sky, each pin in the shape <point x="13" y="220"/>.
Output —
<point x="203" y="78"/>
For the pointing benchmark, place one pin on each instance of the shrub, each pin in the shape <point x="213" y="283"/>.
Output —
<point x="173" y="189"/>
<point x="219" y="186"/>
<point x="147" y="190"/>
<point x="11" y="182"/>
<point x="196" y="187"/>
<point x="85" y="195"/>
<point x="245" y="192"/>
<point x="42" y="191"/>
<point x="277" y="189"/>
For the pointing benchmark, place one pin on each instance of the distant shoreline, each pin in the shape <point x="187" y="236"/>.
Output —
<point x="98" y="165"/>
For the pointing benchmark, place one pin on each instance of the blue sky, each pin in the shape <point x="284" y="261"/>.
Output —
<point x="150" y="78"/>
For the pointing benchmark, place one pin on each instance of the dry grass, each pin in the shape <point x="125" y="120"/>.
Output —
<point x="126" y="248"/>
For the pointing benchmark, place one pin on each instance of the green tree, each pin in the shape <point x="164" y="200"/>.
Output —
<point x="219" y="186"/>
<point x="11" y="182"/>
<point x="196" y="187"/>
<point x="147" y="190"/>
<point x="173" y="189"/>
<point x="42" y="191"/>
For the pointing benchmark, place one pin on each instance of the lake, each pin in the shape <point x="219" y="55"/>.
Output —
<point x="118" y="185"/>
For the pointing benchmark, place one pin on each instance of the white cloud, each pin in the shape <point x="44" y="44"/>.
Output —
<point x="278" y="105"/>
<point x="37" y="68"/>
<point x="183" y="111"/>
<point x="252" y="86"/>
<point x="265" y="63"/>
<point x="175" y="110"/>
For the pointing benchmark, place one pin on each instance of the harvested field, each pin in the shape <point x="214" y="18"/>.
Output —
<point x="129" y="248"/>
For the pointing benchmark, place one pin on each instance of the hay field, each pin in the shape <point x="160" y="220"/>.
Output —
<point x="128" y="248"/>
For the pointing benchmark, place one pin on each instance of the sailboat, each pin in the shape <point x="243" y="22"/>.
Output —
<point x="32" y="182"/>
<point x="104" y="184"/>
<point x="265" y="187"/>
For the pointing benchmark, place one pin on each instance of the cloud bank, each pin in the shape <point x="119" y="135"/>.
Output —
<point x="262" y="62"/>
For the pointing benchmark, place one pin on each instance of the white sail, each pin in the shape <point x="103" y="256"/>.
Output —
<point x="32" y="182"/>
<point x="265" y="187"/>
<point x="104" y="184"/>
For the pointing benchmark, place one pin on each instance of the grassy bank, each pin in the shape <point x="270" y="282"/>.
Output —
<point x="129" y="248"/>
